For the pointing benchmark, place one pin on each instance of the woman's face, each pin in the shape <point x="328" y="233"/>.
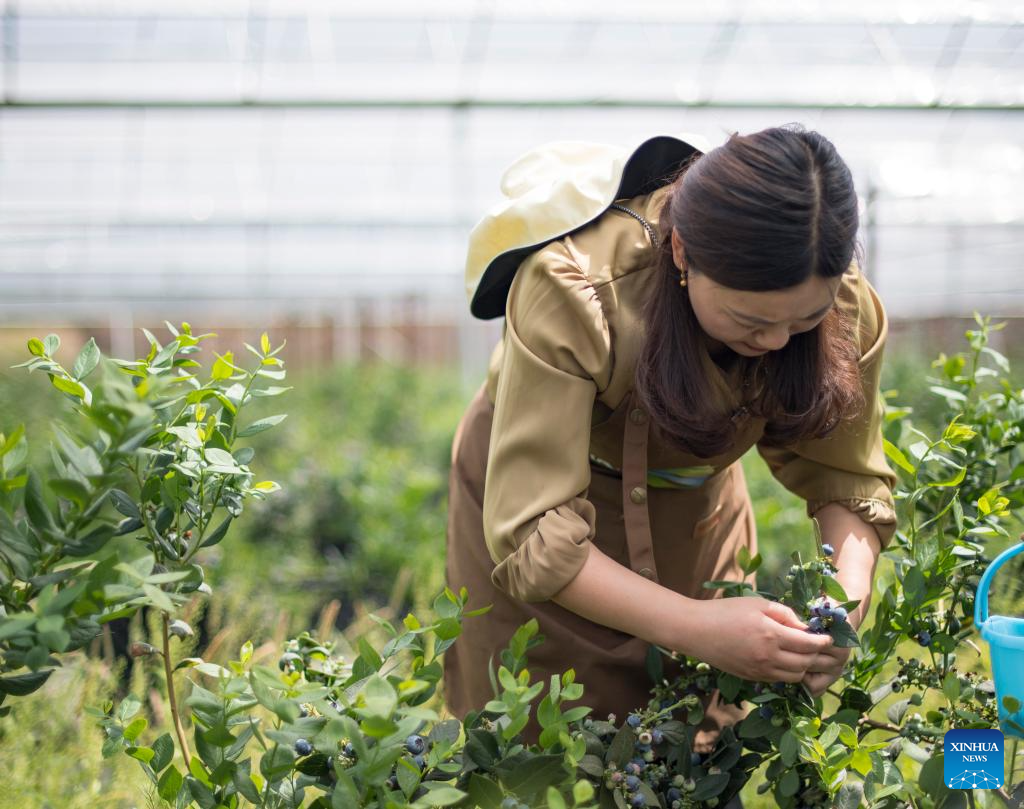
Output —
<point x="754" y="323"/>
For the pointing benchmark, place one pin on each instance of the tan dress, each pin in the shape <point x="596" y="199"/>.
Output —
<point x="554" y="453"/>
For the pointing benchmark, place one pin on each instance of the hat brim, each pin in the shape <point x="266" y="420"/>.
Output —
<point x="651" y="165"/>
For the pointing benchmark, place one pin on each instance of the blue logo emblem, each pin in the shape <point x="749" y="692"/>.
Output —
<point x="973" y="759"/>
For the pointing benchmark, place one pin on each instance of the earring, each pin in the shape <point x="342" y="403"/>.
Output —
<point x="682" y="277"/>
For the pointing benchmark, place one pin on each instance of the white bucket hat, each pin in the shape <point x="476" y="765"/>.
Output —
<point x="554" y="189"/>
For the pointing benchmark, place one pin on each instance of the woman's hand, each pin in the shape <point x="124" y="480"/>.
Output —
<point x="826" y="668"/>
<point x="755" y="639"/>
<point x="828" y="665"/>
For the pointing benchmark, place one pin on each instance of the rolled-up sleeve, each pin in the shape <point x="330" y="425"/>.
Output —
<point x="556" y="358"/>
<point x="848" y="466"/>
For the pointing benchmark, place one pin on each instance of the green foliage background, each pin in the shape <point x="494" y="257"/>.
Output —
<point x="363" y="461"/>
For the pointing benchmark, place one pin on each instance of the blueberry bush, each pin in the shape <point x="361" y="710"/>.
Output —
<point x="137" y="485"/>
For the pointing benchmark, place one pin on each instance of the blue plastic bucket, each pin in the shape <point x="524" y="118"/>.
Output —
<point x="1005" y="637"/>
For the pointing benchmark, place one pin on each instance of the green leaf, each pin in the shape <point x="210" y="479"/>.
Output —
<point x="345" y="793"/>
<point x="36" y="347"/>
<point x="483" y="792"/>
<point x="163" y="752"/>
<point x="931" y="777"/>
<point x="956" y="480"/>
<point x="711" y="786"/>
<point x="261" y="425"/>
<point x="52" y="343"/>
<point x="381" y="698"/>
<point x="948" y="393"/>
<point x="169" y="784"/>
<point x="88" y="359"/>
<point x="132" y="732"/>
<point x="144" y="754"/>
<point x="861" y="761"/>
<point x="894" y="454"/>
<point x="951" y="686"/>
<point x="833" y="588"/>
<point x="914" y="585"/>
<point x="201" y="793"/>
<point x="224" y="367"/>
<point x="6" y="445"/>
<point x="482" y="748"/>
<point x="620" y="751"/>
<point x="843" y="635"/>
<point x="21" y="685"/>
<point x="70" y="489"/>
<point x="553" y="800"/>
<point x="38" y="512"/>
<point x="68" y="386"/>
<point x="789" y="784"/>
<point x="441" y="796"/>
<point x="408" y="776"/>
<point x="369" y="654"/>
<point x="535" y="774"/>
<point x="218" y="533"/>
<point x="850" y="795"/>
<point x="789" y="748"/>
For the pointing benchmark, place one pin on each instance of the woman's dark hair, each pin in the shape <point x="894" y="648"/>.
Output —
<point x="764" y="211"/>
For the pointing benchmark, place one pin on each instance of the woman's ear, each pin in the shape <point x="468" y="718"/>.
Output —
<point x="677" y="250"/>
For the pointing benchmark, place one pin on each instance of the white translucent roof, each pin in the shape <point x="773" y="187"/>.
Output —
<point x="300" y="152"/>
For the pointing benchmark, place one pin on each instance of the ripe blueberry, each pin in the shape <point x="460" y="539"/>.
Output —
<point x="673" y="794"/>
<point x="839" y="613"/>
<point x="637" y="800"/>
<point x="415" y="744"/>
<point x="814" y="624"/>
<point x="657" y="736"/>
<point x="633" y="720"/>
<point x="924" y="637"/>
<point x="632" y="783"/>
<point x="827" y="549"/>
<point x="766" y="711"/>
<point x="303" y="748"/>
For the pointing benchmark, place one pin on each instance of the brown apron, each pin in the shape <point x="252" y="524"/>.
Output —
<point x="700" y="530"/>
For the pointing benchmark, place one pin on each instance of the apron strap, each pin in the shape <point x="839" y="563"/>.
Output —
<point x="634" y="491"/>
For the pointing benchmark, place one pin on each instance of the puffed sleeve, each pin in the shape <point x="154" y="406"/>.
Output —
<point x="848" y="466"/>
<point x="556" y="358"/>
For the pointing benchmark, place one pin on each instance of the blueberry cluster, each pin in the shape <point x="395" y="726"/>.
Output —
<point x="648" y="771"/>
<point x="914" y="673"/>
<point x="416" y="746"/>
<point x="823" y="615"/>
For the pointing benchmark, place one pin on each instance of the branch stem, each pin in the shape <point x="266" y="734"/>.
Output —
<point x="179" y="729"/>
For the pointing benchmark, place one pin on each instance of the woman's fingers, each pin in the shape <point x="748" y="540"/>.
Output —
<point x="791" y="665"/>
<point x="802" y="641"/>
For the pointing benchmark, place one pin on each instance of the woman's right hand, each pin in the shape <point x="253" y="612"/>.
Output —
<point x="753" y="638"/>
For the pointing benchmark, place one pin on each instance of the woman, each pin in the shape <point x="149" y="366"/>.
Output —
<point x="648" y="344"/>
